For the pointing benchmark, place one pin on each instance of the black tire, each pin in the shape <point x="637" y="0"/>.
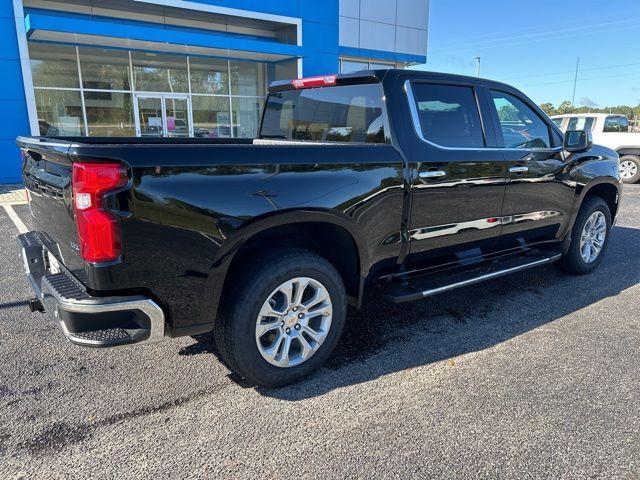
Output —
<point x="635" y="160"/>
<point x="234" y="332"/>
<point x="572" y="261"/>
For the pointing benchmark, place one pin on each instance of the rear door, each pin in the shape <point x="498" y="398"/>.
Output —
<point x="457" y="174"/>
<point x="538" y="202"/>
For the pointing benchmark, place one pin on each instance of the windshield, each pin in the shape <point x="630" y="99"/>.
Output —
<point x="348" y="113"/>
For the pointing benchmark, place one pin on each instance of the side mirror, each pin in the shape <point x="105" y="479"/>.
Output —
<point x="577" y="140"/>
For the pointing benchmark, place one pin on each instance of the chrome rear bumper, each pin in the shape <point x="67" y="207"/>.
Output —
<point x="88" y="320"/>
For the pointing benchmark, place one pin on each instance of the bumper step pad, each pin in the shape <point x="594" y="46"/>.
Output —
<point x="86" y="319"/>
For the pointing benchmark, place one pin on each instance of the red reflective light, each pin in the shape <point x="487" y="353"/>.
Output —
<point x="98" y="229"/>
<point x="310" y="82"/>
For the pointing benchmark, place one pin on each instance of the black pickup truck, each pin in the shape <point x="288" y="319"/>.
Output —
<point x="417" y="182"/>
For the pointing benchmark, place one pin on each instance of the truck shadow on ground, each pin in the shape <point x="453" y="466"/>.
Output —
<point x="383" y="338"/>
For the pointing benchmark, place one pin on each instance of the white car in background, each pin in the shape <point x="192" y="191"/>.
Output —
<point x="611" y="131"/>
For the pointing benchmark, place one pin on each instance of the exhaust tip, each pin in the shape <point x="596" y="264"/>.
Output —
<point x="35" y="305"/>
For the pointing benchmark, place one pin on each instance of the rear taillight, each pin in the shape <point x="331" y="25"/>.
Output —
<point x="310" y="82"/>
<point x="98" y="229"/>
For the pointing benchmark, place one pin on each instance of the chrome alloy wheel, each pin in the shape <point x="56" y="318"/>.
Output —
<point x="628" y="169"/>
<point x="593" y="236"/>
<point x="293" y="322"/>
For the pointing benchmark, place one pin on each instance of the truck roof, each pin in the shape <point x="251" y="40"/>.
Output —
<point x="595" y="115"/>
<point x="374" y="76"/>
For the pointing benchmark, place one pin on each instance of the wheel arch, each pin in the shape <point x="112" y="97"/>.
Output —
<point x="329" y="234"/>
<point x="605" y="188"/>
<point x="634" y="151"/>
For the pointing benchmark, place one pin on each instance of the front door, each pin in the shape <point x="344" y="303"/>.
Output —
<point x="538" y="202"/>
<point x="163" y="116"/>
<point x="458" y="176"/>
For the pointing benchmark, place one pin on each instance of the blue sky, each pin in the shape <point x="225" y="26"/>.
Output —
<point x="534" y="44"/>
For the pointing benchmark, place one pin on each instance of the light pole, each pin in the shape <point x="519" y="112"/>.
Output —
<point x="575" y="84"/>
<point x="477" y="59"/>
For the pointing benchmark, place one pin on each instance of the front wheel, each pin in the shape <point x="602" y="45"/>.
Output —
<point x="630" y="168"/>
<point x="589" y="237"/>
<point x="282" y="318"/>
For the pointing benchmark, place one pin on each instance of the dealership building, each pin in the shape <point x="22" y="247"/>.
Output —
<point x="180" y="68"/>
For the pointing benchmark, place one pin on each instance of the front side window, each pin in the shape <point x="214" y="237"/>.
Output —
<point x="349" y="113"/>
<point x="616" y="124"/>
<point x="581" y="123"/>
<point x="558" y="122"/>
<point x="521" y="126"/>
<point x="448" y="115"/>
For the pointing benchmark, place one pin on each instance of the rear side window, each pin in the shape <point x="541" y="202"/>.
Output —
<point x="448" y="115"/>
<point x="521" y="126"/>
<point x="616" y="124"/>
<point x="349" y="113"/>
<point x="581" y="123"/>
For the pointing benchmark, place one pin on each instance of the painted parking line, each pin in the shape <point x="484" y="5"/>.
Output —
<point x="22" y="228"/>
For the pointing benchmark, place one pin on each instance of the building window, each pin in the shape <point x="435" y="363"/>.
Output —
<point x="246" y="116"/>
<point x="160" y="73"/>
<point x="53" y="65"/>
<point x="248" y="79"/>
<point x="211" y="117"/>
<point x="60" y="113"/>
<point x="355" y="65"/>
<point x="104" y="69"/>
<point x="109" y="92"/>
<point x="109" y="114"/>
<point x="209" y="75"/>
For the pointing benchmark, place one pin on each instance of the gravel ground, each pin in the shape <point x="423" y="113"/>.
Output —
<point x="537" y="374"/>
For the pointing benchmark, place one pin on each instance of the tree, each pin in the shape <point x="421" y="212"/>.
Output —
<point x="549" y="109"/>
<point x="565" y="107"/>
<point x="633" y="113"/>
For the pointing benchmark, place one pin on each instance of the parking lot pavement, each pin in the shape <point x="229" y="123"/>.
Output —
<point x="535" y="374"/>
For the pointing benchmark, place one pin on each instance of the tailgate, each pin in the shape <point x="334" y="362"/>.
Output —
<point x="47" y="170"/>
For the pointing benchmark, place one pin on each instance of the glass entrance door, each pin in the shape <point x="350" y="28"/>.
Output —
<point x="163" y="116"/>
<point x="150" y="121"/>
<point x="176" y="110"/>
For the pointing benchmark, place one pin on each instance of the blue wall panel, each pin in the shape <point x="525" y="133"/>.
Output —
<point x="11" y="87"/>
<point x="320" y="12"/>
<point x="13" y="108"/>
<point x="319" y="36"/>
<point x="6" y="9"/>
<point x="319" y="64"/>
<point x="9" y="50"/>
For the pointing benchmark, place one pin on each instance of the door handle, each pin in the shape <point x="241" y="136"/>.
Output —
<point x="432" y="174"/>
<point x="519" y="169"/>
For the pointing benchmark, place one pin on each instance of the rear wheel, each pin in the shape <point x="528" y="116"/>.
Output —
<point x="589" y="237"/>
<point x="282" y="317"/>
<point x="630" y="168"/>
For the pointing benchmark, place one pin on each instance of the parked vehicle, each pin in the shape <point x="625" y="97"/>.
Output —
<point x="613" y="132"/>
<point x="417" y="182"/>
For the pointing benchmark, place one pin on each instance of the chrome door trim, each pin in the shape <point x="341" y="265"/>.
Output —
<point x="415" y="120"/>
<point x="432" y="174"/>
